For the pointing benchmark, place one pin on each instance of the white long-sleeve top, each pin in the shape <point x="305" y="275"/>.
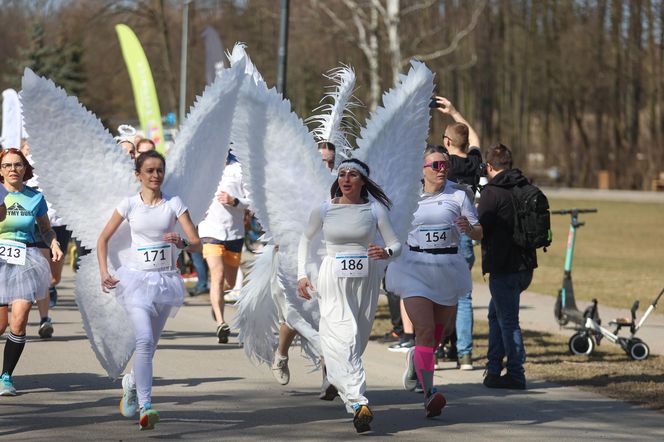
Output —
<point x="346" y="227"/>
<point x="226" y="223"/>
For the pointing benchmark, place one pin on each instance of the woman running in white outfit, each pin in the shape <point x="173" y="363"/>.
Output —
<point x="431" y="275"/>
<point x="148" y="286"/>
<point x="349" y="278"/>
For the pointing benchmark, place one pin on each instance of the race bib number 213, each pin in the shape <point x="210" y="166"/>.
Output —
<point x="13" y="252"/>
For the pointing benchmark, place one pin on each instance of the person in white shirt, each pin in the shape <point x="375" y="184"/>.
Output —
<point x="431" y="275"/>
<point x="147" y="285"/>
<point x="222" y="234"/>
<point x="349" y="278"/>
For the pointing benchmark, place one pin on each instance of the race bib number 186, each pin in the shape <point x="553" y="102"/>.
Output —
<point x="351" y="265"/>
<point x="154" y="256"/>
<point x="13" y="252"/>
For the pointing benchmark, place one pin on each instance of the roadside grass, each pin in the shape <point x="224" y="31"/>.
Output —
<point x="608" y="371"/>
<point x="618" y="258"/>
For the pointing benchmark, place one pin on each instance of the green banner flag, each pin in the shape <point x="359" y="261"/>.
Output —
<point x="145" y="94"/>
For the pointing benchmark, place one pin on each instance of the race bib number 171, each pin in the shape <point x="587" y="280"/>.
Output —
<point x="154" y="256"/>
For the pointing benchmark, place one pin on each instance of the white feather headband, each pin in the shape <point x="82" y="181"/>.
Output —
<point x="337" y="120"/>
<point x="344" y="165"/>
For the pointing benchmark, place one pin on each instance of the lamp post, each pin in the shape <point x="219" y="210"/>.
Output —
<point x="283" y="48"/>
<point x="183" y="59"/>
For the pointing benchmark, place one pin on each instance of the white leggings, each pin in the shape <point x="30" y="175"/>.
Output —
<point x="148" y="330"/>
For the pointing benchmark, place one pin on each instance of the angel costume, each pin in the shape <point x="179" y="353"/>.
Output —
<point x="201" y="145"/>
<point x="347" y="303"/>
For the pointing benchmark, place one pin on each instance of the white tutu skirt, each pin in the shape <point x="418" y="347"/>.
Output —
<point x="28" y="282"/>
<point x="439" y="278"/>
<point x="146" y="289"/>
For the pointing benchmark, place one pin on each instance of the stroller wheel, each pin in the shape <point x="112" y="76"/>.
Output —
<point x="581" y="343"/>
<point x="638" y="350"/>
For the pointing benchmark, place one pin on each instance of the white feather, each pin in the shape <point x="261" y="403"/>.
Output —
<point x="83" y="172"/>
<point x="256" y="316"/>
<point x="105" y="322"/>
<point x="238" y="54"/>
<point x="196" y="161"/>
<point x="337" y="120"/>
<point x="393" y="141"/>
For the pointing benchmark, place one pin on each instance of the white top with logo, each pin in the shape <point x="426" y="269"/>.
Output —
<point x="434" y="220"/>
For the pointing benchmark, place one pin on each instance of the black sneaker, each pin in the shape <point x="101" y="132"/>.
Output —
<point x="512" y="383"/>
<point x="402" y="347"/>
<point x="492" y="380"/>
<point x="223" y="331"/>
<point x="362" y="419"/>
<point x="391" y="336"/>
<point x="46" y="328"/>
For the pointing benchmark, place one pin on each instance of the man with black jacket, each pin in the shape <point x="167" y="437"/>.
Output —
<point x="510" y="269"/>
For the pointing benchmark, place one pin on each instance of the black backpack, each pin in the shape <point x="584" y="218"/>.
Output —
<point x="532" y="219"/>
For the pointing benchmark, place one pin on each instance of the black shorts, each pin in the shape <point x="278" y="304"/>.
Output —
<point x="234" y="245"/>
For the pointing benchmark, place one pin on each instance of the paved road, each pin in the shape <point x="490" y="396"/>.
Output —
<point x="209" y="391"/>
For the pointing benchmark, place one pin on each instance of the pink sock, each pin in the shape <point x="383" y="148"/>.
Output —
<point x="438" y="333"/>
<point x="423" y="361"/>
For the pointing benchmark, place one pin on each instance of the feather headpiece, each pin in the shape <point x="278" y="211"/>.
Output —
<point x="336" y="120"/>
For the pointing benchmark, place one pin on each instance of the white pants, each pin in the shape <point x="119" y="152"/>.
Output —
<point x="347" y="310"/>
<point x="147" y="329"/>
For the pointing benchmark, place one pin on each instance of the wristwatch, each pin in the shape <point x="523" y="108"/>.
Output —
<point x="389" y="251"/>
<point x="236" y="202"/>
<point x="185" y="243"/>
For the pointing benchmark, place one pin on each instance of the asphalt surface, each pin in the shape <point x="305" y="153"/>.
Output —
<point x="204" y="390"/>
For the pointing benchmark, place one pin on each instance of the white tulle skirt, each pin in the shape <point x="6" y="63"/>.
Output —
<point x="440" y="278"/>
<point x="145" y="289"/>
<point x="28" y="282"/>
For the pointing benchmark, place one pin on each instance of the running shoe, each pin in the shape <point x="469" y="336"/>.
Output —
<point x="362" y="419"/>
<point x="328" y="391"/>
<point x="418" y="387"/>
<point x="465" y="362"/>
<point x="223" y="331"/>
<point x="402" y="347"/>
<point x="148" y="418"/>
<point x="434" y="403"/>
<point x="6" y="385"/>
<point x="129" y="401"/>
<point x="280" y="370"/>
<point x="46" y="328"/>
<point x="391" y="336"/>
<point x="52" y="297"/>
<point x="409" y="375"/>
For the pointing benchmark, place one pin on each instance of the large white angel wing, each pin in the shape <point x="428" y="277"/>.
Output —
<point x="196" y="160"/>
<point x="286" y="178"/>
<point x="81" y="169"/>
<point x="239" y="54"/>
<point x="85" y="174"/>
<point x="393" y="141"/>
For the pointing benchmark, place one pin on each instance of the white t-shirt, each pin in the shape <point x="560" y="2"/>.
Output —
<point x="221" y="222"/>
<point x="437" y="213"/>
<point x="148" y="224"/>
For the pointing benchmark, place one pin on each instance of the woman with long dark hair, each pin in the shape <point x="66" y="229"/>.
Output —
<point x="349" y="278"/>
<point x="148" y="285"/>
<point x="24" y="272"/>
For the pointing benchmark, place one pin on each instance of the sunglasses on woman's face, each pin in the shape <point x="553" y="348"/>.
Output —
<point x="438" y="165"/>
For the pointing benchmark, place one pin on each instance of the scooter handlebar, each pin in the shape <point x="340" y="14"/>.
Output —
<point x="656" y="300"/>
<point x="572" y="211"/>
